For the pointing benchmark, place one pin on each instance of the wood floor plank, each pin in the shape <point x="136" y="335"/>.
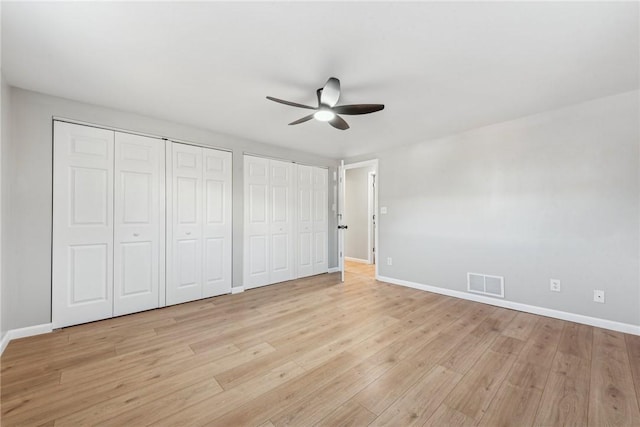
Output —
<point x="160" y="407"/>
<point x="344" y="342"/>
<point x="205" y="411"/>
<point x="633" y="347"/>
<point x="122" y="379"/>
<point x="612" y="399"/>
<point x="134" y="399"/>
<point x="512" y="406"/>
<point x="576" y="340"/>
<point x="70" y="401"/>
<point x="421" y="400"/>
<point x="350" y="414"/>
<point x="287" y="394"/>
<point x="381" y="393"/>
<point x="473" y="394"/>
<point x="446" y="416"/>
<point x="507" y="345"/>
<point x="565" y="399"/>
<point x="316" y="351"/>
<point x="522" y="326"/>
<point x="332" y="395"/>
<point x="289" y="351"/>
<point x="96" y="370"/>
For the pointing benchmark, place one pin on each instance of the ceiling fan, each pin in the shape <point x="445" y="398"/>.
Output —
<point x="327" y="111"/>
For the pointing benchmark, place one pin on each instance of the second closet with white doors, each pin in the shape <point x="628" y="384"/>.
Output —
<point x="198" y="223"/>
<point x="268" y="221"/>
<point x="285" y="221"/>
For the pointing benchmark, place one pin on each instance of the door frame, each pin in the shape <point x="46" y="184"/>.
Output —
<point x="371" y="218"/>
<point x="341" y="197"/>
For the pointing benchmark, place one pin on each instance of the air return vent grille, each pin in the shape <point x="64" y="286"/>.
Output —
<point x="485" y="284"/>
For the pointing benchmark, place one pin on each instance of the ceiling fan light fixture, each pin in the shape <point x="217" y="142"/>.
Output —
<point x="324" y="115"/>
<point x="327" y="110"/>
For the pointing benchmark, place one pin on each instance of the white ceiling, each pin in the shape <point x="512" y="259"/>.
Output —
<point x="439" y="68"/>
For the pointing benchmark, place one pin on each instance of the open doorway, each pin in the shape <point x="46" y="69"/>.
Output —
<point x="359" y="214"/>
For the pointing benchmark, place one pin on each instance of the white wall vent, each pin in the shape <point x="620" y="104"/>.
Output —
<point x="485" y="284"/>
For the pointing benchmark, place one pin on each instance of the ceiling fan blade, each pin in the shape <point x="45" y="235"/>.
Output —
<point x="302" y="120"/>
<point x="357" y="109"/>
<point x="293" y="104"/>
<point x="339" y="123"/>
<point x="330" y="92"/>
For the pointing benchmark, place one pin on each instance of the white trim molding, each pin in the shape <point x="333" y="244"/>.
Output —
<point x="14" y="334"/>
<point x="237" y="290"/>
<point x="333" y="270"/>
<point x="626" y="328"/>
<point x="360" y="260"/>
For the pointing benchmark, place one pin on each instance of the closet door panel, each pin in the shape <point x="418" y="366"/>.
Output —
<point x="82" y="276"/>
<point x="185" y="283"/>
<point x="139" y="223"/>
<point x="217" y="222"/>
<point x="320" y="220"/>
<point x="305" y="221"/>
<point x="256" y="219"/>
<point x="281" y="221"/>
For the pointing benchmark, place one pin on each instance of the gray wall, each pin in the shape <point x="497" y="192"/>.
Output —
<point x="356" y="212"/>
<point x="28" y="174"/>
<point x="554" y="195"/>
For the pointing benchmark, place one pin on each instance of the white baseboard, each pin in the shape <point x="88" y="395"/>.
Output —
<point x="333" y="270"/>
<point x="626" y="328"/>
<point x="360" y="260"/>
<point x="237" y="290"/>
<point x="29" y="331"/>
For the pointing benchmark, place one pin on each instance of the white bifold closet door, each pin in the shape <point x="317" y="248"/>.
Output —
<point x="312" y="220"/>
<point x="108" y="223"/>
<point x="199" y="218"/>
<point x="320" y="220"/>
<point x="269" y="240"/>
<point x="305" y="221"/>
<point x="139" y="226"/>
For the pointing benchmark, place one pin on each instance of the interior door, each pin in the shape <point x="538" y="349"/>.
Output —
<point x="217" y="222"/>
<point x="82" y="276"/>
<point x="281" y="221"/>
<point x="320" y="220"/>
<point x="256" y="221"/>
<point x="305" y="202"/>
<point x="187" y="211"/>
<point x="138" y="222"/>
<point x="341" y="225"/>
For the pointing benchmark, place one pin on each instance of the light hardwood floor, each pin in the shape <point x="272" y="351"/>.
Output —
<point x="314" y="351"/>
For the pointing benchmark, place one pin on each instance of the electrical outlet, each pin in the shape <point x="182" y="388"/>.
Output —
<point x="389" y="261"/>
<point x="383" y="210"/>
<point x="598" y="296"/>
<point x="554" y="285"/>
